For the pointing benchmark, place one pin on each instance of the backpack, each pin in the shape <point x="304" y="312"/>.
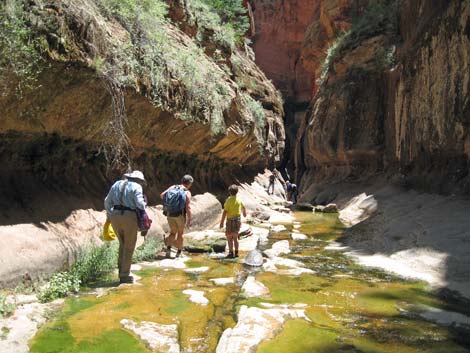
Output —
<point x="175" y="200"/>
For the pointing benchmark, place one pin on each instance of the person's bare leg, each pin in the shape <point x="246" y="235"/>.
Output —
<point x="230" y="242"/>
<point x="235" y="242"/>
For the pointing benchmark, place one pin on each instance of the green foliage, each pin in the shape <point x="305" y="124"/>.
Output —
<point x="19" y="49"/>
<point x="178" y="76"/>
<point x="91" y="263"/>
<point x="226" y="18"/>
<point x="147" y="250"/>
<point x="95" y="261"/>
<point x="256" y="110"/>
<point x="6" y="309"/>
<point x="380" y="17"/>
<point x="60" y="285"/>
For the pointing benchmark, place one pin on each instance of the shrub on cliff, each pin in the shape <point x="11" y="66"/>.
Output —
<point x="20" y="58"/>
<point x="226" y="18"/>
<point x="380" y="17"/>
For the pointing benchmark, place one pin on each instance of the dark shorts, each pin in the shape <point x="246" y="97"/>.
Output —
<point x="233" y="225"/>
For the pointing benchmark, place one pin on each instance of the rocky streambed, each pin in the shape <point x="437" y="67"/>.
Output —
<point x="307" y="297"/>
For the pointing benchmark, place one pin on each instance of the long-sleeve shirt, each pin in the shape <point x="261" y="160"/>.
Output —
<point x="132" y="196"/>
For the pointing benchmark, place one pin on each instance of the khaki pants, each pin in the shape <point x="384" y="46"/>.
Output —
<point x="125" y="225"/>
<point x="176" y="231"/>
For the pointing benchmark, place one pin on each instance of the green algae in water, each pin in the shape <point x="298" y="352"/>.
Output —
<point x="62" y="341"/>
<point x="299" y="336"/>
<point x="352" y="309"/>
<point x="178" y="304"/>
<point x="56" y="337"/>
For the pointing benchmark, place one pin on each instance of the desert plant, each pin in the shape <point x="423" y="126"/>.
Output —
<point x="20" y="59"/>
<point x="91" y="263"/>
<point x="256" y="110"/>
<point x="6" y="308"/>
<point x="147" y="250"/>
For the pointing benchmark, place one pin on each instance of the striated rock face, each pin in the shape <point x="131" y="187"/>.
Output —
<point x="52" y="136"/>
<point x="280" y="27"/>
<point x="394" y="99"/>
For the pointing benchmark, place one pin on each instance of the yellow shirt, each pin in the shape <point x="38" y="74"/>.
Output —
<point x="233" y="206"/>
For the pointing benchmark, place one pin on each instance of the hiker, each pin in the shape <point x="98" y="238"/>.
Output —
<point x="177" y="209"/>
<point x="124" y="199"/>
<point x="272" y="178"/>
<point x="232" y="208"/>
<point x="294" y="193"/>
<point x="288" y="190"/>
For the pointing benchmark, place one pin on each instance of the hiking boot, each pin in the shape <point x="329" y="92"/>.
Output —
<point x="178" y="254"/>
<point x="168" y="252"/>
<point x="236" y="254"/>
<point x="126" y="279"/>
<point x="230" y="256"/>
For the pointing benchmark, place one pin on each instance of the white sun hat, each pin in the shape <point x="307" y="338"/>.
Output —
<point x="136" y="174"/>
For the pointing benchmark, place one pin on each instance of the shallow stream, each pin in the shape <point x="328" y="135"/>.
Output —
<point x="351" y="308"/>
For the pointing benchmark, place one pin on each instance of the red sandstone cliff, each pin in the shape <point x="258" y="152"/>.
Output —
<point x="390" y="97"/>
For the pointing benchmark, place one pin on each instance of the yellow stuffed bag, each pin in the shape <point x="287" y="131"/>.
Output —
<point x="108" y="231"/>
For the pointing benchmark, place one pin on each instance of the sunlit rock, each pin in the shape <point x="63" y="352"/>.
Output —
<point x="197" y="269"/>
<point x="254" y="258"/>
<point x="196" y="296"/>
<point x="253" y="288"/>
<point x="255" y="325"/>
<point x="278" y="248"/>
<point x="160" y="338"/>
<point x="223" y="281"/>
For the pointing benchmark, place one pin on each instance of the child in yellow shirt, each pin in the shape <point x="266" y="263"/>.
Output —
<point x="232" y="209"/>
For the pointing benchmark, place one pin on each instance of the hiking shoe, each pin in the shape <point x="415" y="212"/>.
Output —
<point x="236" y="254"/>
<point x="178" y="254"/>
<point x="230" y="256"/>
<point x="126" y="279"/>
<point x="168" y="252"/>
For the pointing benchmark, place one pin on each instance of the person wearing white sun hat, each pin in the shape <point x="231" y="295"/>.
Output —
<point x="123" y="199"/>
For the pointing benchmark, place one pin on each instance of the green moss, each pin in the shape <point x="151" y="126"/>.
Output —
<point x="299" y="336"/>
<point x="178" y="304"/>
<point x="58" y="338"/>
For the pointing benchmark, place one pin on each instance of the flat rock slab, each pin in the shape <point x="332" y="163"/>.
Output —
<point x="196" y="296"/>
<point x="278" y="248"/>
<point x="298" y="236"/>
<point x="223" y="281"/>
<point x="159" y="338"/>
<point x="205" y="241"/>
<point x="254" y="289"/>
<point x="277" y="229"/>
<point x="23" y="325"/>
<point x="197" y="269"/>
<point x="255" y="325"/>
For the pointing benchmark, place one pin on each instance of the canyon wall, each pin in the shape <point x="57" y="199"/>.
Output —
<point x="389" y="91"/>
<point x="214" y="114"/>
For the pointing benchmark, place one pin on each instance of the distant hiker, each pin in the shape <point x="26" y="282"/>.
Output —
<point x="294" y="193"/>
<point x="232" y="209"/>
<point x="177" y="209"/>
<point x="288" y="190"/>
<point x="272" y="179"/>
<point x="124" y="199"/>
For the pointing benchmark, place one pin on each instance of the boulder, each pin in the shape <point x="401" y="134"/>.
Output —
<point x="331" y="208"/>
<point x="205" y="241"/>
<point x="304" y="206"/>
<point x="262" y="216"/>
<point x="254" y="258"/>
